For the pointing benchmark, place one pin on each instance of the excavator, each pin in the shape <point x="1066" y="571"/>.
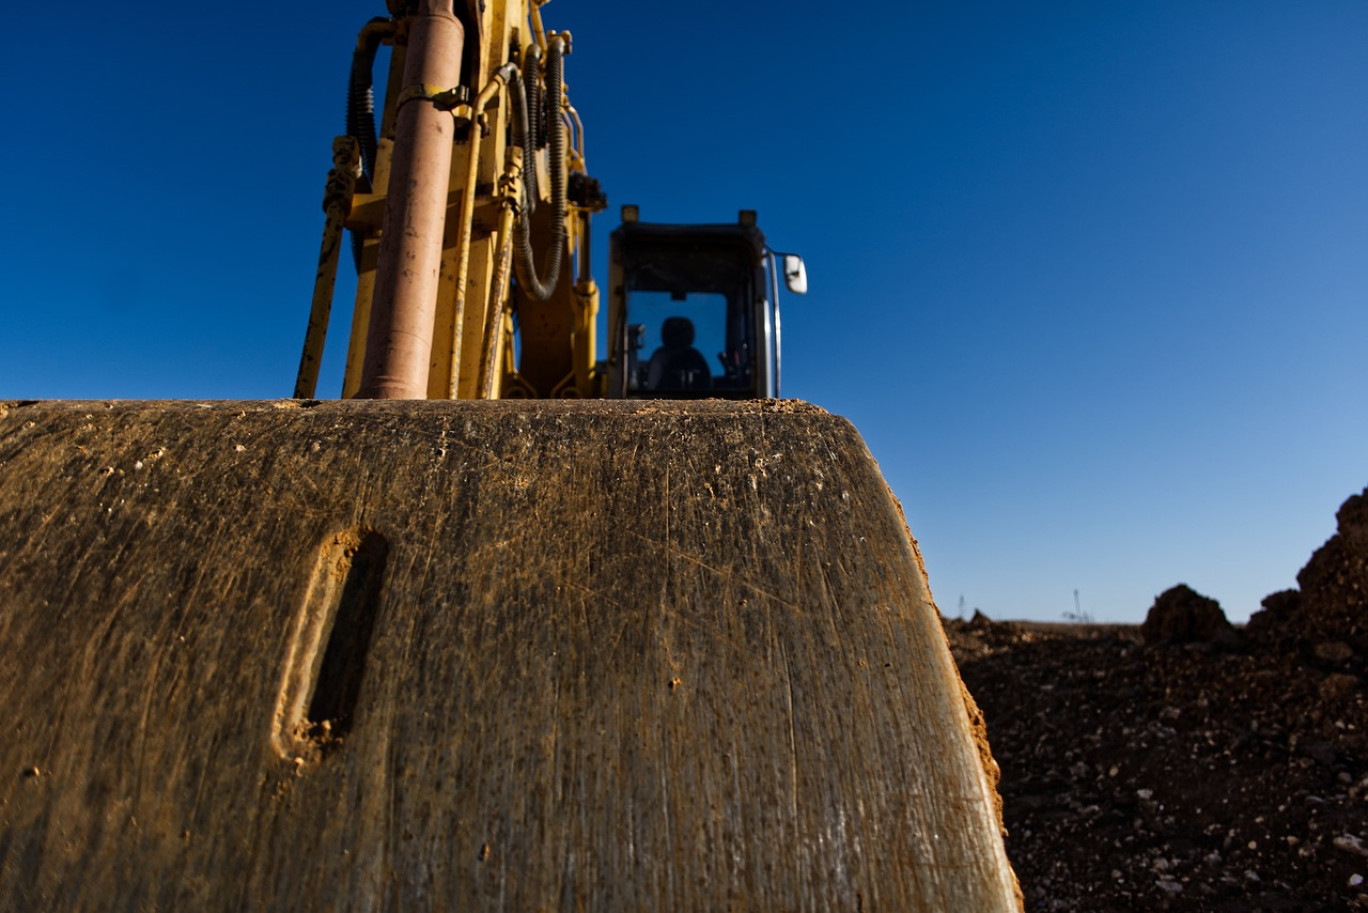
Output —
<point x="501" y="302"/>
<point x="519" y="622"/>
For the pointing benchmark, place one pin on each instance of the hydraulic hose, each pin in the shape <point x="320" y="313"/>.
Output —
<point x="361" y="110"/>
<point x="532" y="63"/>
<point x="361" y="94"/>
<point x="533" y="136"/>
<point x="541" y="287"/>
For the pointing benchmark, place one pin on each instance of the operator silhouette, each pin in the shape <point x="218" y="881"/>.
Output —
<point x="677" y="365"/>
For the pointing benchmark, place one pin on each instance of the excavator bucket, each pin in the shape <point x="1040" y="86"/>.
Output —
<point x="473" y="656"/>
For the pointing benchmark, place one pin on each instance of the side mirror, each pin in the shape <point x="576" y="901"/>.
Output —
<point x="795" y="274"/>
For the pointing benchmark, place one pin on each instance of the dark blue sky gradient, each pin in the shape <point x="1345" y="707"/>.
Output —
<point x="1091" y="278"/>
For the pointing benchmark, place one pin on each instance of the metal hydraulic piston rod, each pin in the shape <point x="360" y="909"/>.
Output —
<point x="399" y="341"/>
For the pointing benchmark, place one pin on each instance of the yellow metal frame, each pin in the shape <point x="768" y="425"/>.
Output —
<point x="337" y="197"/>
<point x="477" y="307"/>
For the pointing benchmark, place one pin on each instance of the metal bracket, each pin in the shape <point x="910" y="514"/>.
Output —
<point x="442" y="99"/>
<point x="341" y="184"/>
<point x="511" y="184"/>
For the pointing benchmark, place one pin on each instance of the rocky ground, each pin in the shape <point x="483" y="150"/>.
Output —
<point x="1186" y="764"/>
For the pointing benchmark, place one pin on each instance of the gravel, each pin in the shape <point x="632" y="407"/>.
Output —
<point x="1201" y="767"/>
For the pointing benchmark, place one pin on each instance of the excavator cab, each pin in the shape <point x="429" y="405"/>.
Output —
<point x="694" y="310"/>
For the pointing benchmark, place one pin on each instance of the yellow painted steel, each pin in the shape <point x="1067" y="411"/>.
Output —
<point x="503" y="265"/>
<point x="336" y="202"/>
<point x="538" y="30"/>
<point x="461" y="280"/>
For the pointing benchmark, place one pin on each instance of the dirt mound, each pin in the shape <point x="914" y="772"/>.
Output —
<point x="1327" y="617"/>
<point x="1182" y="615"/>
<point x="1157" y="777"/>
<point x="1139" y="772"/>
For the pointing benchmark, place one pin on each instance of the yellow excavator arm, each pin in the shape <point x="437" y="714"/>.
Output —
<point x="477" y="175"/>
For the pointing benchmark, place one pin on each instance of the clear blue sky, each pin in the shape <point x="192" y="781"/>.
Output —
<point x="1091" y="278"/>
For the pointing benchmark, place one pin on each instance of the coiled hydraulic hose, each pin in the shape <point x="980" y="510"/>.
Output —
<point x="534" y="137"/>
<point x="361" y="94"/>
<point x="536" y="286"/>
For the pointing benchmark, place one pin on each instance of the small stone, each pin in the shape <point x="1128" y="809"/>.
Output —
<point x="1351" y="844"/>
<point x="1335" y="651"/>
<point x="1355" y="880"/>
<point x="1337" y="684"/>
<point x="1145" y="794"/>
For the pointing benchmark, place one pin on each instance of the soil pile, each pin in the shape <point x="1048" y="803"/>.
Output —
<point x="1328" y="615"/>
<point x="1188" y="766"/>
<point x="1181" y="615"/>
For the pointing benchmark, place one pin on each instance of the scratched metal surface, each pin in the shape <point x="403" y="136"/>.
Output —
<point x="603" y="656"/>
